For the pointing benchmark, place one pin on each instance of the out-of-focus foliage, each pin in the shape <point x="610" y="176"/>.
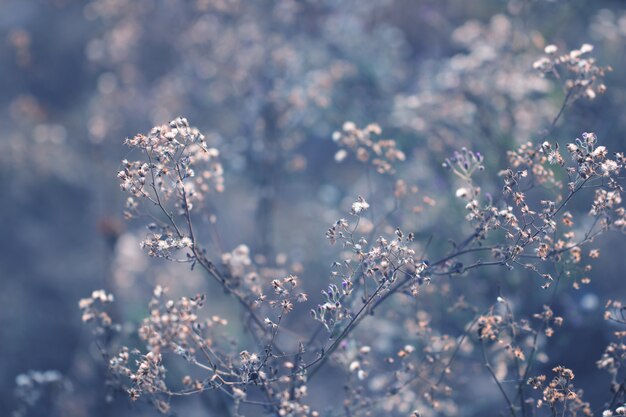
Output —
<point x="304" y="106"/>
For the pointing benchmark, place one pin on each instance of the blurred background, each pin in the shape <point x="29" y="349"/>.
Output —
<point x="268" y="82"/>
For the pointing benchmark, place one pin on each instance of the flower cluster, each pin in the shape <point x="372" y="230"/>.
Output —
<point x="91" y="309"/>
<point x="614" y="356"/>
<point x="549" y="320"/>
<point x="544" y="231"/>
<point x="147" y="376"/>
<point x="178" y="165"/>
<point x="579" y="73"/>
<point x="560" y="394"/>
<point x="173" y="325"/>
<point x="165" y="244"/>
<point x="285" y="289"/>
<point x="383" y="154"/>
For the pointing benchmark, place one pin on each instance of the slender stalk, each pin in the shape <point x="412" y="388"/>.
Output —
<point x="495" y="378"/>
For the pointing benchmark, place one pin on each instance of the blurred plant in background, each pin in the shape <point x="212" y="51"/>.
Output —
<point x="433" y="141"/>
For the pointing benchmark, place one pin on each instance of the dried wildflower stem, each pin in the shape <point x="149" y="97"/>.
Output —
<point x="158" y="198"/>
<point x="535" y="346"/>
<point x="518" y="366"/>
<point x="268" y="348"/>
<point x="207" y="352"/>
<point x="495" y="378"/>
<point x="567" y="199"/>
<point x="446" y="368"/>
<point x="353" y="275"/>
<point x="620" y="390"/>
<point x="531" y="359"/>
<point x="409" y="278"/>
<point x="222" y="389"/>
<point x="354" y="321"/>
<point x="457" y="349"/>
<point x="199" y="256"/>
<point x="461" y="252"/>
<point x="560" y="113"/>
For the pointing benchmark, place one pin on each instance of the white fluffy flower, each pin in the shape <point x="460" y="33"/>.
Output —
<point x="360" y="205"/>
